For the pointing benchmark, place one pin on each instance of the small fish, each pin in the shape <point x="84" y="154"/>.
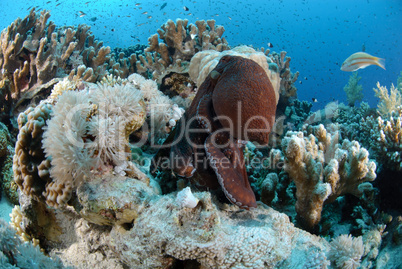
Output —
<point x="149" y="17"/>
<point x="186" y="8"/>
<point x="137" y="4"/>
<point x="314" y="100"/>
<point x="82" y="15"/>
<point x="305" y="78"/>
<point x="81" y="12"/>
<point x="270" y="45"/>
<point x="163" y="6"/>
<point x="229" y="18"/>
<point x="360" y="60"/>
<point x="144" y="13"/>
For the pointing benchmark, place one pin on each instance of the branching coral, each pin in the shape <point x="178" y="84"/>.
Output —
<point x="180" y="41"/>
<point x="323" y="169"/>
<point x="353" y="90"/>
<point x="388" y="101"/>
<point x="280" y="63"/>
<point x="33" y="51"/>
<point x="384" y="138"/>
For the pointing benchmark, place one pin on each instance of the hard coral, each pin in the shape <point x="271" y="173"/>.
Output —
<point x="384" y="137"/>
<point x="180" y="41"/>
<point x="388" y="101"/>
<point x="324" y="169"/>
<point x="30" y="165"/>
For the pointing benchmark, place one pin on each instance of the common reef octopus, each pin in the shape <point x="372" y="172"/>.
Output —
<point x="235" y="103"/>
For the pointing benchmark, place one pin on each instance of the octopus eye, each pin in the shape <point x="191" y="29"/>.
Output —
<point x="225" y="59"/>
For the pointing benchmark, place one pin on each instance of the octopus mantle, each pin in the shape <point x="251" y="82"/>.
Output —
<point x="236" y="102"/>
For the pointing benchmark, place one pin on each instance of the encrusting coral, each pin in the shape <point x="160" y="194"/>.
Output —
<point x="324" y="169"/>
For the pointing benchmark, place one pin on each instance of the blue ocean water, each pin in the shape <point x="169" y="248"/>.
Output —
<point x="318" y="35"/>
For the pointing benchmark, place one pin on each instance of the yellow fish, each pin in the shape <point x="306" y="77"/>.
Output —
<point x="361" y="60"/>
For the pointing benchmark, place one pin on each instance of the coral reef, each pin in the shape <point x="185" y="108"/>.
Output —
<point x="353" y="90"/>
<point x="34" y="51"/>
<point x="96" y="116"/>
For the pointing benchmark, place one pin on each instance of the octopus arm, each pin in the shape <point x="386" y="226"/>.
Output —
<point x="231" y="173"/>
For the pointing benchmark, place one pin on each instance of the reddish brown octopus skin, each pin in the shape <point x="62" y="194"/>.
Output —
<point x="237" y="95"/>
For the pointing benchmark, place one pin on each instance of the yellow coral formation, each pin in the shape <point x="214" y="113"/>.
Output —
<point x="16" y="220"/>
<point x="388" y="101"/>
